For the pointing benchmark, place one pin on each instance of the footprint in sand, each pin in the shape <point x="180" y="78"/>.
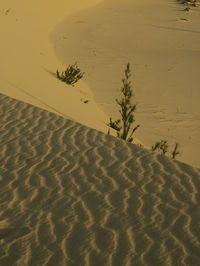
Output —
<point x="84" y="101"/>
<point x="7" y="11"/>
<point x="182" y="19"/>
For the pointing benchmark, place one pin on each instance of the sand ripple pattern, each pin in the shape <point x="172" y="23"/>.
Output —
<point x="70" y="195"/>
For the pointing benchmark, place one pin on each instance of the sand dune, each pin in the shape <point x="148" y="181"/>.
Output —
<point x="28" y="64"/>
<point x="161" y="42"/>
<point x="71" y="195"/>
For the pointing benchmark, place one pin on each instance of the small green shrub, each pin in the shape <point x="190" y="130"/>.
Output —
<point x="162" y="146"/>
<point x="71" y="75"/>
<point x="123" y="126"/>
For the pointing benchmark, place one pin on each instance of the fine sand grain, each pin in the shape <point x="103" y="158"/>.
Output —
<point x="71" y="195"/>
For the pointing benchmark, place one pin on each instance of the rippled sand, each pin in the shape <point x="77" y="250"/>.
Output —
<point x="71" y="195"/>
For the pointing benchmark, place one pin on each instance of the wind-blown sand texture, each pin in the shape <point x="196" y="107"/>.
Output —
<point x="71" y="195"/>
<point x="158" y="38"/>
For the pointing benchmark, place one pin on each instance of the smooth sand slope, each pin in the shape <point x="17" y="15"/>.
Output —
<point x="161" y="42"/>
<point x="71" y="195"/>
<point x="28" y="64"/>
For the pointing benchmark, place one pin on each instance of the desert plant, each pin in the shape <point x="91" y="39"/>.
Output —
<point x="175" y="152"/>
<point x="123" y="126"/>
<point x="71" y="75"/>
<point x="162" y="146"/>
<point x="190" y="2"/>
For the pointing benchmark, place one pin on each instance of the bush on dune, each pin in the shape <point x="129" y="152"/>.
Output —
<point x="162" y="146"/>
<point x="123" y="126"/>
<point x="71" y="75"/>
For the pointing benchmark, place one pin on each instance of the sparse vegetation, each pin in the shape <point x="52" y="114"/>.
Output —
<point x="162" y="147"/>
<point x="190" y="2"/>
<point x="124" y="126"/>
<point x="71" y="75"/>
<point x="175" y="152"/>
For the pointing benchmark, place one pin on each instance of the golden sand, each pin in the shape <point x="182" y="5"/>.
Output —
<point x="71" y="195"/>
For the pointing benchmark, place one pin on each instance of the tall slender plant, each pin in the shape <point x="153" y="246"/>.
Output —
<point x="123" y="126"/>
<point x="175" y="152"/>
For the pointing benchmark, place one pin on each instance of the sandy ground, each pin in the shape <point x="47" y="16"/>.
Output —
<point x="161" y="42"/>
<point x="71" y="195"/>
<point x="28" y="64"/>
